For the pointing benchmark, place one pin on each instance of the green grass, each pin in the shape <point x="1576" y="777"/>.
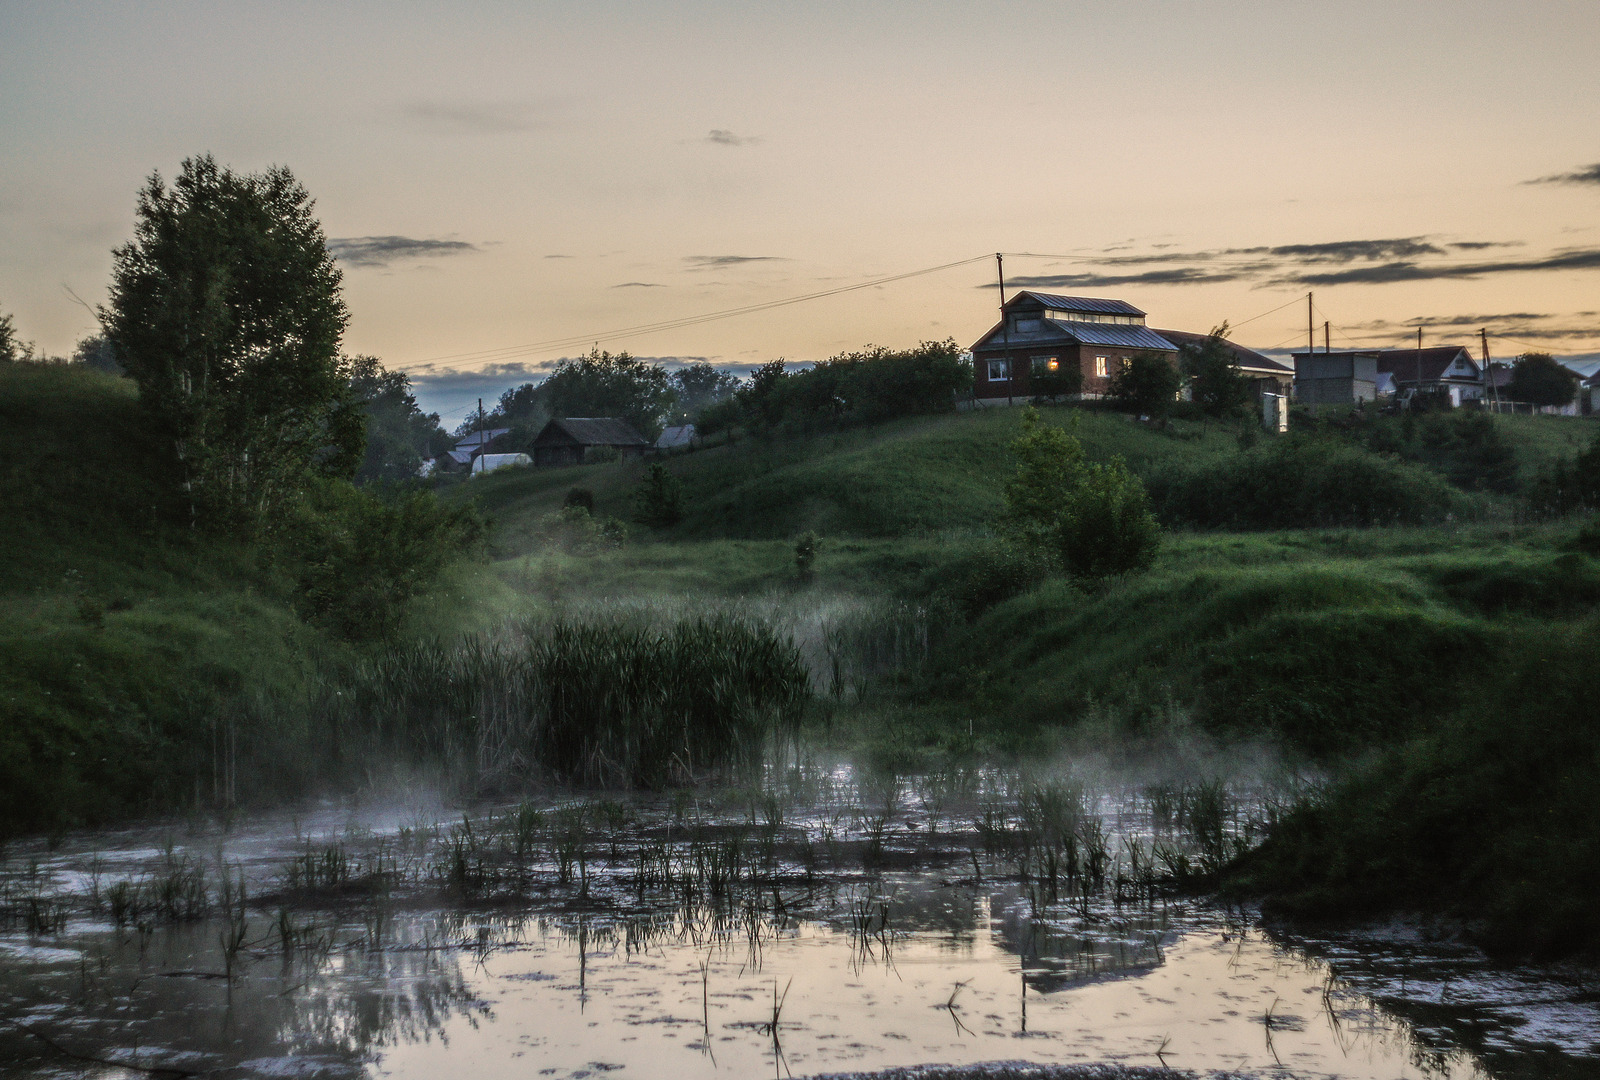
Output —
<point x="928" y="474"/>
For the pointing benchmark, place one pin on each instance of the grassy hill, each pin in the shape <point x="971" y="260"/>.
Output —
<point x="125" y="636"/>
<point x="926" y="474"/>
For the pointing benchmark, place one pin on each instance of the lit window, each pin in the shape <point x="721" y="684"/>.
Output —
<point x="1046" y="365"/>
<point x="999" y="370"/>
<point x="1100" y="366"/>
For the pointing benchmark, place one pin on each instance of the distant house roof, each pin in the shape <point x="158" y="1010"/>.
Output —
<point x="591" y="431"/>
<point x="471" y="442"/>
<point x="1056" y="302"/>
<point x="1247" y="359"/>
<point x="461" y="457"/>
<point x="674" y="437"/>
<point x="1583" y="369"/>
<point x="1433" y="362"/>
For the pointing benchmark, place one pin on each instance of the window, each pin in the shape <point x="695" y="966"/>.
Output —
<point x="1046" y="365"/>
<point x="1027" y="324"/>
<point x="1100" y="366"/>
<point x="999" y="370"/>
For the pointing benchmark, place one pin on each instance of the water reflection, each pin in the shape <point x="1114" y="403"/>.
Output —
<point x="655" y="948"/>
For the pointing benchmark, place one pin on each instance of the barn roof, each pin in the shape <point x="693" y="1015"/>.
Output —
<point x="1248" y="359"/>
<point x="1095" y="304"/>
<point x="594" y="431"/>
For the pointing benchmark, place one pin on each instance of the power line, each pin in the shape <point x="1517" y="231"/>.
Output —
<point x="510" y="351"/>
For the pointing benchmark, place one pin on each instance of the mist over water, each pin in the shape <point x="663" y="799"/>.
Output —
<point x="823" y="918"/>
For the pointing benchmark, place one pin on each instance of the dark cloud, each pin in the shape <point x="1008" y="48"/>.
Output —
<point x="383" y="250"/>
<point x="707" y="262"/>
<point x="1480" y="245"/>
<point x="1187" y="275"/>
<point x="483" y="117"/>
<point x="561" y="256"/>
<point x="1589" y="174"/>
<point x="1384" y="273"/>
<point x="1343" y="251"/>
<point x="639" y="285"/>
<point x="723" y="137"/>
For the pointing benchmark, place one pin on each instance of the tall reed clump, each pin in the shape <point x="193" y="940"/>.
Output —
<point x="620" y="702"/>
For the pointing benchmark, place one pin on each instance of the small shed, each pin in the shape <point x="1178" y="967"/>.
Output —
<point x="484" y="463"/>
<point x="569" y="440"/>
<point x="1335" y="378"/>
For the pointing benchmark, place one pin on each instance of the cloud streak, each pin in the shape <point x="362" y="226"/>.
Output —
<point x="1589" y="174"/>
<point x="385" y="250"/>
<point x="1386" y="273"/>
<point x="723" y="137"/>
<point x="639" y="285"/>
<point x="714" y="262"/>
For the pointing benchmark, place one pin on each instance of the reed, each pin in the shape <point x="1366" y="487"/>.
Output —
<point x="606" y="701"/>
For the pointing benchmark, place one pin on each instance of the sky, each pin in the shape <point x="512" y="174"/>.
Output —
<point x="508" y="184"/>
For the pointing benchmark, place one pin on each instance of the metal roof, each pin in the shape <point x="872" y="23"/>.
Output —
<point x="1079" y="303"/>
<point x="1052" y="332"/>
<point x="595" y="431"/>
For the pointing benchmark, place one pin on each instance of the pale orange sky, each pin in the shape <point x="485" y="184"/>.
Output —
<point x="553" y="171"/>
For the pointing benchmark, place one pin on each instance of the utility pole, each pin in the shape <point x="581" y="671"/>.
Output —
<point x="1311" y="326"/>
<point x="1327" y="346"/>
<point x="1005" y="329"/>
<point x="1488" y="368"/>
<point x="1419" y="363"/>
<point x="480" y="434"/>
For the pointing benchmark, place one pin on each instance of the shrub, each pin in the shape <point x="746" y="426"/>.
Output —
<point x="1300" y="482"/>
<point x="1147" y="385"/>
<point x="360" y="556"/>
<point x="659" y="500"/>
<point x="1095" y="517"/>
<point x="1107" y="528"/>
<point x="579" y="497"/>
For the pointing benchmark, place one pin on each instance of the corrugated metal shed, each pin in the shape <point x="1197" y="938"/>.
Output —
<point x="1095" y="304"/>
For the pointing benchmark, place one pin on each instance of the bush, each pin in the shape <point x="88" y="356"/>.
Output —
<point x="1107" y="528"/>
<point x="867" y="386"/>
<point x="1095" y="517"/>
<point x="1462" y="445"/>
<point x="1147" y="385"/>
<point x="579" y="497"/>
<point x="1300" y="482"/>
<point x="659" y="500"/>
<point x="361" y="556"/>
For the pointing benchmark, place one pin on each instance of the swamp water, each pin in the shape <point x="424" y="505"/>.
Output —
<point x="842" y="927"/>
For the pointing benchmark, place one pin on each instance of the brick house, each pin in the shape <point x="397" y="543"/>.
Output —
<point x="1041" y="334"/>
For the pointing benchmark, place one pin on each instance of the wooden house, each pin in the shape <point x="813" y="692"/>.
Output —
<point x="572" y="440"/>
<point x="1042" y="334"/>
